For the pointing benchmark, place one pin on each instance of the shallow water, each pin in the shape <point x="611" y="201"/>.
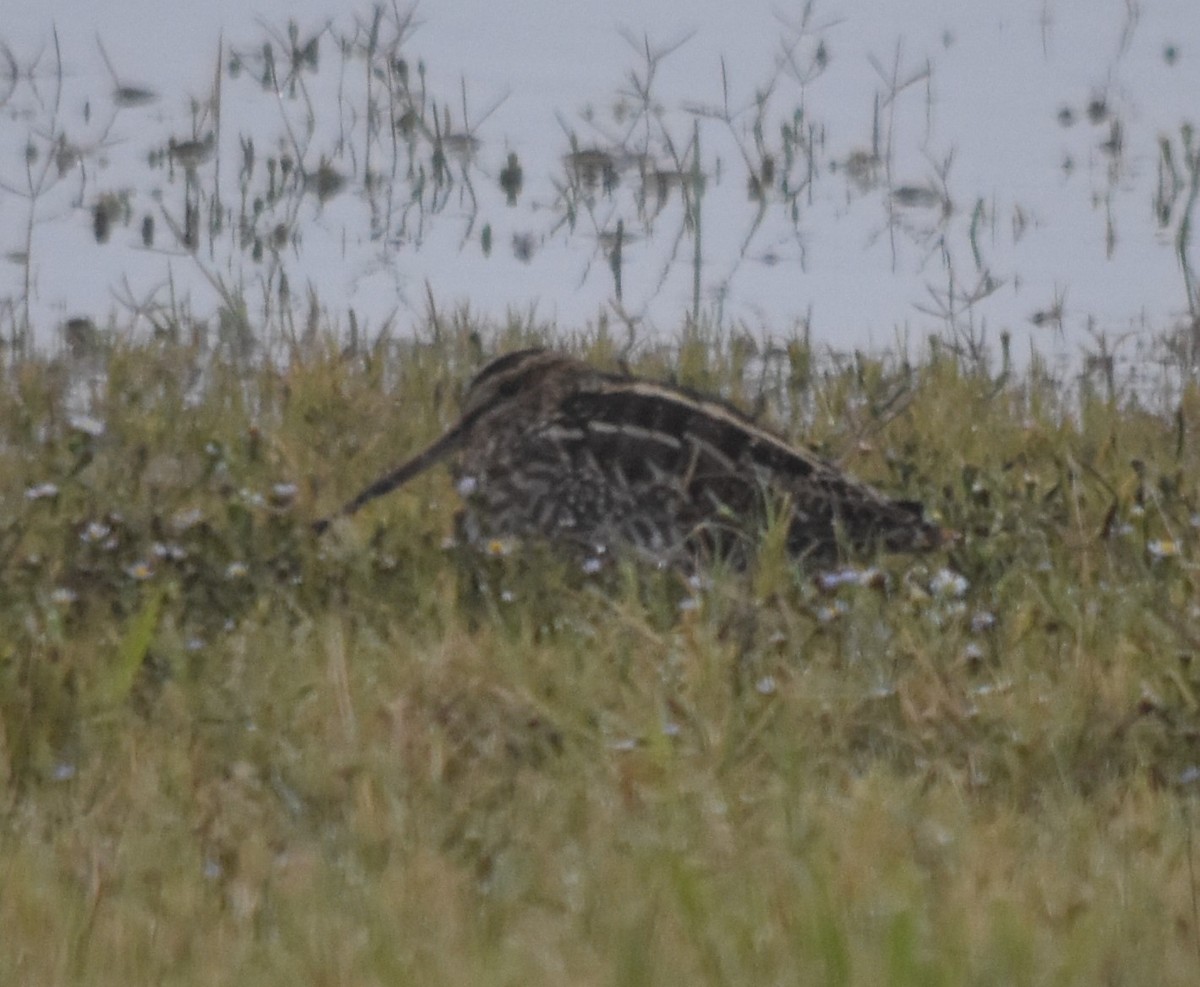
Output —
<point x="1018" y="168"/>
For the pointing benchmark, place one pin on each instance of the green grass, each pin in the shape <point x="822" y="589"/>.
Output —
<point x="232" y="753"/>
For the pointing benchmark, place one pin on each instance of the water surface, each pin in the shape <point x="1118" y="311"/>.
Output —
<point x="1019" y="169"/>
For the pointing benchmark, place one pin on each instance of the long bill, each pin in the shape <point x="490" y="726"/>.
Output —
<point x="400" y="475"/>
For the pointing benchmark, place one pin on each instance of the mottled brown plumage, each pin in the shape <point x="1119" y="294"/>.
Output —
<point x="552" y="448"/>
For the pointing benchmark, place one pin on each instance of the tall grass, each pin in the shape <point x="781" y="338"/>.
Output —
<point x="231" y="752"/>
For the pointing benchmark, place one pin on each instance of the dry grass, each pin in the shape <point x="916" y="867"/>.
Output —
<point x="232" y="754"/>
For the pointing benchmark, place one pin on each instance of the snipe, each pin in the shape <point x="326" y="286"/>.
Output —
<point x="551" y="448"/>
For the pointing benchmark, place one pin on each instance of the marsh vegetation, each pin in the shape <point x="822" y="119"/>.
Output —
<point x="234" y="752"/>
<point x="378" y="756"/>
<point x="864" y="186"/>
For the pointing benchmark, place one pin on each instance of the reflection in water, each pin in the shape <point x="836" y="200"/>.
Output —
<point x="866" y="195"/>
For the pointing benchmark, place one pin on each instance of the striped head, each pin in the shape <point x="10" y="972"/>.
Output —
<point x="534" y="378"/>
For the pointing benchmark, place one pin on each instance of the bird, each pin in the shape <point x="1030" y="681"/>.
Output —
<point x="550" y="448"/>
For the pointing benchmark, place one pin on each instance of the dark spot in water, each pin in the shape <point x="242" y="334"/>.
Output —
<point x="523" y="246"/>
<point x="511" y="179"/>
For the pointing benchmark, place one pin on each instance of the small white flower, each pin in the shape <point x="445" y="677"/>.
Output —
<point x="87" y="425"/>
<point x="43" y="491"/>
<point x="983" y="620"/>
<point x="140" y="570"/>
<point x="282" y="494"/>
<point x="467" y="485"/>
<point x="181" y="521"/>
<point x="947" y="582"/>
<point x="237" y="570"/>
<point x="95" y="532"/>
<point x="829" y="582"/>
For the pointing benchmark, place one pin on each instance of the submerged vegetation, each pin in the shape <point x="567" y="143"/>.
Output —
<point x="352" y="161"/>
<point x="376" y="757"/>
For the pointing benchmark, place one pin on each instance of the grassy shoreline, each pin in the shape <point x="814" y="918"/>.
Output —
<point x="232" y="753"/>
